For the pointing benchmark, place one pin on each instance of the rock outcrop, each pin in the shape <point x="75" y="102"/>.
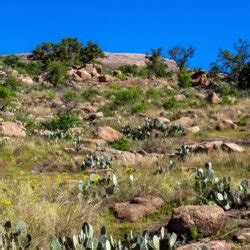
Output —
<point x="108" y="134"/>
<point x="137" y="208"/>
<point x="206" y="219"/>
<point x="12" y="129"/>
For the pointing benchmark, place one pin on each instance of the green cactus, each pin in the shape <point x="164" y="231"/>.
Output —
<point x="211" y="189"/>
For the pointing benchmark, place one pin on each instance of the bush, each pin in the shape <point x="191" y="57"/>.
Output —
<point x="12" y="82"/>
<point x="57" y="73"/>
<point x="71" y="95"/>
<point x="6" y="96"/>
<point x="244" y="77"/>
<point x="129" y="69"/>
<point x="181" y="56"/>
<point x="153" y="93"/>
<point x="171" y="103"/>
<point x="234" y="63"/>
<point x="241" y="122"/>
<point x="123" y="144"/>
<point x="156" y="64"/>
<point x="129" y="95"/>
<point x="63" y="121"/>
<point x="139" y="107"/>
<point x="184" y="79"/>
<point x="89" y="93"/>
<point x="27" y="120"/>
<point x="228" y="91"/>
<point x="107" y="111"/>
<point x="31" y="68"/>
<point x="70" y="52"/>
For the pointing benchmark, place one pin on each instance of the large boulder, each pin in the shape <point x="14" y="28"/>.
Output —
<point x="194" y="129"/>
<point x="180" y="98"/>
<point x="186" y="122"/>
<point x="105" y="78"/>
<point x="200" y="78"/>
<point x="83" y="74"/>
<point x="213" y="98"/>
<point x="137" y="208"/>
<point x="90" y="68"/>
<point x="108" y="134"/>
<point x="26" y="80"/>
<point x="206" y="219"/>
<point x="12" y="129"/>
<point x="232" y="147"/>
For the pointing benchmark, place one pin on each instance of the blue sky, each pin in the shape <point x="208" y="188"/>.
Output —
<point x="126" y="26"/>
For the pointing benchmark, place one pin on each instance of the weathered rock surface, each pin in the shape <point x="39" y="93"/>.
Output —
<point x="114" y="60"/>
<point x="211" y="245"/>
<point x="200" y="78"/>
<point x="186" y="122"/>
<point x="194" y="129"/>
<point x="95" y="142"/>
<point x="232" y="147"/>
<point x="127" y="158"/>
<point x="213" y="98"/>
<point x="137" y="208"/>
<point x="163" y="119"/>
<point x="27" y="80"/>
<point x="91" y="69"/>
<point x="108" y="134"/>
<point x="243" y="235"/>
<point x="12" y="129"/>
<point x="205" y="218"/>
<point x="180" y="98"/>
<point x="207" y="146"/>
<point x="105" y="78"/>
<point x="83" y="74"/>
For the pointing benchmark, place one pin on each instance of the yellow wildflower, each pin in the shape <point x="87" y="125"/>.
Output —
<point x="6" y="201"/>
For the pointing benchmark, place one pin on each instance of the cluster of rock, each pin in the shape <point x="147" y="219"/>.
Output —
<point x="206" y="220"/>
<point x="88" y="72"/>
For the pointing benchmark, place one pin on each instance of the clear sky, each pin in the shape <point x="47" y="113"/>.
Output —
<point x="126" y="26"/>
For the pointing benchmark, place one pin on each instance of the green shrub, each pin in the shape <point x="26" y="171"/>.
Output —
<point x="241" y="122"/>
<point x="57" y="73"/>
<point x="89" y="93"/>
<point x="12" y="82"/>
<point x="181" y="56"/>
<point x="24" y="68"/>
<point x="129" y="95"/>
<point x="139" y="106"/>
<point x="27" y="120"/>
<point x="6" y="96"/>
<point x="70" y="51"/>
<point x="153" y="93"/>
<point x="71" y="95"/>
<point x="184" y="79"/>
<point x="244" y="77"/>
<point x="129" y="69"/>
<point x="228" y="91"/>
<point x="123" y="144"/>
<point x="171" y="103"/>
<point x="196" y="234"/>
<point x="62" y="121"/>
<point x="143" y="73"/>
<point x="11" y="60"/>
<point x="156" y="64"/>
<point x="107" y="111"/>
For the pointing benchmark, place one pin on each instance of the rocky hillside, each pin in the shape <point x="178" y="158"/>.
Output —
<point x="148" y="148"/>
